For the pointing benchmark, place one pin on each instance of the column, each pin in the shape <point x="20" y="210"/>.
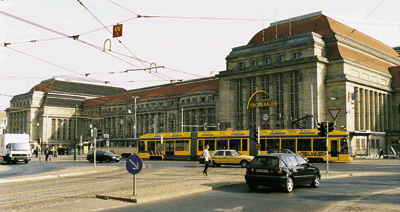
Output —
<point x="382" y="113"/>
<point x="368" y="110"/>
<point x="377" y="112"/>
<point x="386" y="113"/>
<point x="245" y="99"/>
<point x="357" y="110"/>
<point x="362" y="109"/>
<point x="373" y="111"/>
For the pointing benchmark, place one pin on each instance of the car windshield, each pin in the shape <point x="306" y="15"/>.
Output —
<point x="20" y="146"/>
<point x="108" y="153"/>
<point x="265" y="161"/>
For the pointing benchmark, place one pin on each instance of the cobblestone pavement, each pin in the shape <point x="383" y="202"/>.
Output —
<point x="77" y="183"/>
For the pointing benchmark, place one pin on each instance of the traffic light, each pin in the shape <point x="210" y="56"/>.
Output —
<point x="99" y="133"/>
<point x="256" y="135"/>
<point x="322" y="129"/>
<point x="331" y="127"/>
<point x="90" y="133"/>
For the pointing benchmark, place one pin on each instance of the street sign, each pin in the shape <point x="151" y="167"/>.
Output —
<point x="117" y="30"/>
<point x="334" y="113"/>
<point x="134" y="164"/>
<point x="258" y="146"/>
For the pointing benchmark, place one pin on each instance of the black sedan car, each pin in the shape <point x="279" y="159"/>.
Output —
<point x="101" y="156"/>
<point x="281" y="170"/>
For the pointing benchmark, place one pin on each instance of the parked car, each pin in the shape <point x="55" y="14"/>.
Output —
<point x="228" y="157"/>
<point x="281" y="170"/>
<point x="101" y="156"/>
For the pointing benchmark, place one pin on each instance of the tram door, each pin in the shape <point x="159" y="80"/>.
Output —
<point x="289" y="144"/>
<point x="169" y="149"/>
<point x="334" y="148"/>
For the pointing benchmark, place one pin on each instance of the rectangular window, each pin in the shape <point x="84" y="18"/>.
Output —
<point x="200" y="145"/>
<point x="244" y="145"/>
<point x="268" y="60"/>
<point x="234" y="144"/>
<point x="222" y="144"/>
<point x="296" y="55"/>
<point x="179" y="145"/>
<point x="282" y="57"/>
<point x="210" y="143"/>
<point x="303" y="144"/>
<point x="186" y="145"/>
<point x="319" y="145"/>
<point x="241" y="64"/>
<point x="272" y="144"/>
<point x="151" y="146"/>
<point x="373" y="144"/>
<point x="263" y="144"/>
<point x="254" y="62"/>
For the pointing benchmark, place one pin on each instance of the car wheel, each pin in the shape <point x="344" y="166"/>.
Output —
<point x="108" y="160"/>
<point x="117" y="161"/>
<point x="289" y="185"/>
<point x="26" y="162"/>
<point x="218" y="165"/>
<point x="212" y="163"/>
<point x="91" y="160"/>
<point x="244" y="164"/>
<point x="252" y="186"/>
<point x="315" y="181"/>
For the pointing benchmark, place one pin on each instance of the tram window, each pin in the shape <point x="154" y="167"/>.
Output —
<point x="211" y="144"/>
<point x="186" y="145"/>
<point x="151" y="146"/>
<point x="200" y="145"/>
<point x="112" y="143"/>
<point x="263" y="144"/>
<point x="180" y="145"/>
<point x="319" y="145"/>
<point x="244" y="145"/>
<point x="343" y="145"/>
<point x="303" y="144"/>
<point x="159" y="146"/>
<point x="272" y="144"/>
<point x="222" y="144"/>
<point x="234" y="144"/>
<point x="141" y="146"/>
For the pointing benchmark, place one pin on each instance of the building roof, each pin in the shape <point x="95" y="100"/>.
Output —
<point x="328" y="27"/>
<point x="397" y="49"/>
<point x="163" y="91"/>
<point x="69" y="93"/>
<point x="395" y="71"/>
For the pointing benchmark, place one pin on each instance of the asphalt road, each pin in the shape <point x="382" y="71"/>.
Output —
<point x="349" y="194"/>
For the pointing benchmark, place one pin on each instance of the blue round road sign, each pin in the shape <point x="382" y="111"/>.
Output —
<point x="134" y="164"/>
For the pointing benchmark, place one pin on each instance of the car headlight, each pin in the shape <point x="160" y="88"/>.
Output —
<point x="112" y="157"/>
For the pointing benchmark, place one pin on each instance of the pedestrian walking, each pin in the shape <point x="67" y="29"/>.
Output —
<point x="36" y="151"/>
<point x="380" y="152"/>
<point x="51" y="154"/>
<point x="47" y="152"/>
<point x="206" y="156"/>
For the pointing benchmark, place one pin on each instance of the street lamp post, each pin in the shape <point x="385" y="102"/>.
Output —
<point x="135" y="113"/>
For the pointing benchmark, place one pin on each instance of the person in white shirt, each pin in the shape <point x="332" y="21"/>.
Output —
<point x="207" y="157"/>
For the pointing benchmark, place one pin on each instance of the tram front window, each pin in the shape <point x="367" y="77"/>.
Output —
<point x="141" y="146"/>
<point x="343" y="145"/>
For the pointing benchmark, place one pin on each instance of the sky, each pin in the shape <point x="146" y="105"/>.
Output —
<point x="184" y="39"/>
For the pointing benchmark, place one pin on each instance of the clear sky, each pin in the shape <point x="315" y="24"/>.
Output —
<point x="189" y="38"/>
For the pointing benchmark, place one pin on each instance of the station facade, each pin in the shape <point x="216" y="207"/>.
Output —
<point x="286" y="77"/>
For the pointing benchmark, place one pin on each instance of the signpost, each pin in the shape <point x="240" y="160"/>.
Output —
<point x="134" y="165"/>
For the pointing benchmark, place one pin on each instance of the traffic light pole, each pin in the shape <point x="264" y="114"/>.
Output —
<point x="94" y="141"/>
<point x="327" y="149"/>
<point x="258" y="138"/>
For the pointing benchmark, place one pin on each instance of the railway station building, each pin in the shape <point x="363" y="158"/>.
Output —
<point x="286" y="77"/>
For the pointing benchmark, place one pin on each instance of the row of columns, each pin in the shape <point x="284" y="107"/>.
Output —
<point x="372" y="110"/>
<point x="20" y="118"/>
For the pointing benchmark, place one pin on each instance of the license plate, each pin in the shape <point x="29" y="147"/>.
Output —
<point x="20" y="160"/>
<point x="262" y="170"/>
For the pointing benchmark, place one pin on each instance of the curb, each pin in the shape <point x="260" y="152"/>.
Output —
<point x="46" y="177"/>
<point x="149" y="199"/>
